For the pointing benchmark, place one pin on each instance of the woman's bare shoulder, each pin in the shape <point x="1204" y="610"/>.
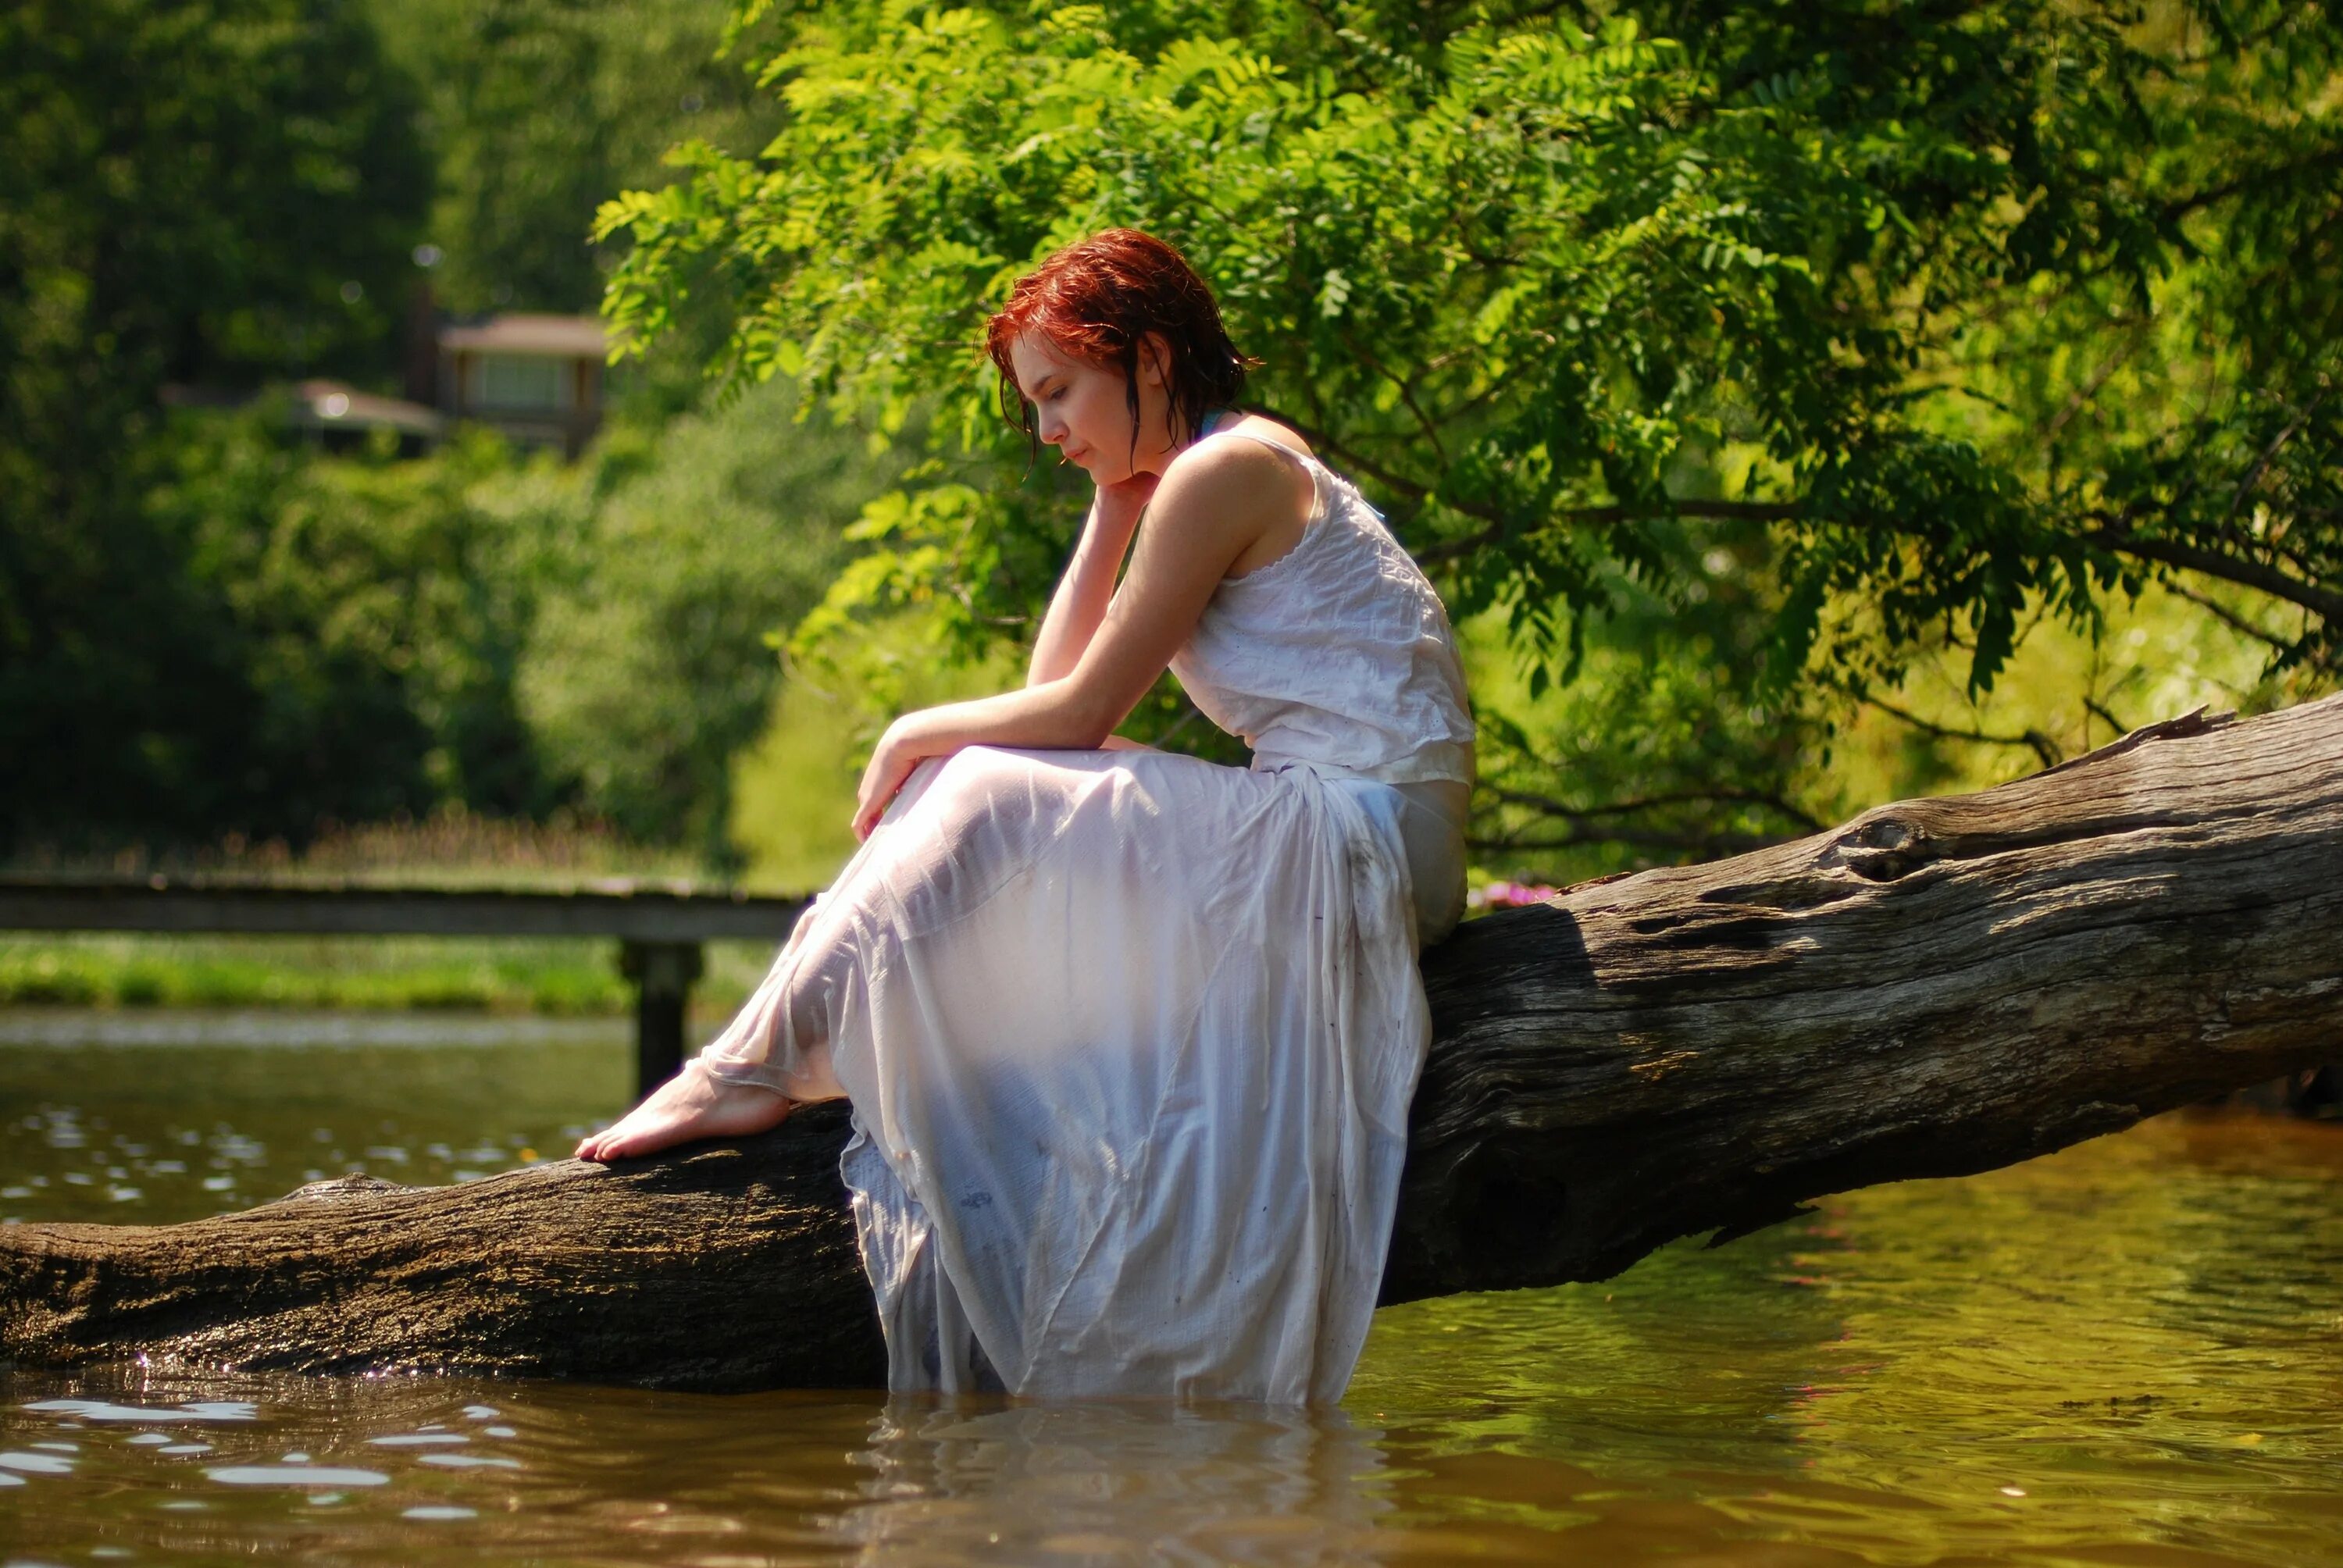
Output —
<point x="1252" y="499"/>
<point x="1246" y="466"/>
<point x="1263" y="425"/>
<point x="1248" y="458"/>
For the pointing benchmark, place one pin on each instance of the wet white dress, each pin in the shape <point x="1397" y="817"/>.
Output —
<point x="1130" y="1037"/>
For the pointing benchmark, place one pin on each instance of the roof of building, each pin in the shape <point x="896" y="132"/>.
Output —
<point x="331" y="405"/>
<point x="573" y="337"/>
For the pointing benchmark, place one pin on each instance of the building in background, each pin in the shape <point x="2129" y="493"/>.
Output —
<point x="536" y="379"/>
<point x="334" y="414"/>
<point x="339" y="415"/>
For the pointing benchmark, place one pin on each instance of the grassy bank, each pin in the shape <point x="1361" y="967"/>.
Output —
<point x="496" y="975"/>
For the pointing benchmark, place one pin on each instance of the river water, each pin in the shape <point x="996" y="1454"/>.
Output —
<point x="2128" y="1353"/>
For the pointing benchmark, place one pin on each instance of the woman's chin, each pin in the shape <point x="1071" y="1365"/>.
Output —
<point x="1104" y="474"/>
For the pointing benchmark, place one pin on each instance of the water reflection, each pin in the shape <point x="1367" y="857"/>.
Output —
<point x="1080" y="1482"/>
<point x="2129" y="1354"/>
<point x="135" y="1118"/>
<point x="693" y="1479"/>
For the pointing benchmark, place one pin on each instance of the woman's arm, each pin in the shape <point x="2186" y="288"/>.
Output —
<point x="1079" y="603"/>
<point x="1211" y="505"/>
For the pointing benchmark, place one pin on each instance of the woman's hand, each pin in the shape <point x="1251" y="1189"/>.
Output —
<point x="890" y="764"/>
<point x="1117" y="506"/>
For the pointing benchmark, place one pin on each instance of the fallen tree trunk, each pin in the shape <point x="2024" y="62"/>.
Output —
<point x="1937" y="988"/>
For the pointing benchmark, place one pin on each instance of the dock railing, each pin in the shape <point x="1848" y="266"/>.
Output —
<point x="661" y="926"/>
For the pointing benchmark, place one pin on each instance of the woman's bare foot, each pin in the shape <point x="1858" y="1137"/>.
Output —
<point x="690" y="1105"/>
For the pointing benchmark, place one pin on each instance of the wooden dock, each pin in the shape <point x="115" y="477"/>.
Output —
<point x="661" y="926"/>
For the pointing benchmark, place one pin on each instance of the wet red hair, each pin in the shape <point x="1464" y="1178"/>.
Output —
<point x="1096" y="300"/>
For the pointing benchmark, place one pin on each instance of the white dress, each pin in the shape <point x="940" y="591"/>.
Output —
<point x="1130" y="1037"/>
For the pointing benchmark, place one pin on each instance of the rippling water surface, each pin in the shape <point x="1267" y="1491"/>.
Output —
<point x="2129" y="1354"/>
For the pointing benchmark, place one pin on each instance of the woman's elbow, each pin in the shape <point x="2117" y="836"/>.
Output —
<point x="1089" y="718"/>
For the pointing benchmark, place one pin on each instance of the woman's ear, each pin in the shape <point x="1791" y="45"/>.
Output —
<point x="1154" y="360"/>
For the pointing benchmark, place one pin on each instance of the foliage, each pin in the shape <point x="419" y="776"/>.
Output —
<point x="396" y="635"/>
<point x="1667" y="744"/>
<point x="374" y="614"/>
<point x="650" y="665"/>
<point x="197" y="190"/>
<point x="538" y="109"/>
<point x="793" y="790"/>
<point x="1747" y="361"/>
<point x="193" y="190"/>
<point x="518" y="638"/>
<point x="1973" y="311"/>
<point x="209" y="632"/>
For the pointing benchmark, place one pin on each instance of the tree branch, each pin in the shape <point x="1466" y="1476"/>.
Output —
<point x="2326" y="604"/>
<point x="1630" y="838"/>
<point x="1553" y="807"/>
<point x="2034" y="741"/>
<point x="2181" y="207"/>
<point x="2226" y="615"/>
<point x="2261" y="464"/>
<point x="1607" y="516"/>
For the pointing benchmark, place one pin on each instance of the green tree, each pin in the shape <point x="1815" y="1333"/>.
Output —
<point x="539" y="110"/>
<point x="1932" y="317"/>
<point x="378" y="610"/>
<point x="203" y="191"/>
<point x="650" y="666"/>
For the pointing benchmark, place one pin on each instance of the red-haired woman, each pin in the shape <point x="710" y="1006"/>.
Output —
<point x="1130" y="1037"/>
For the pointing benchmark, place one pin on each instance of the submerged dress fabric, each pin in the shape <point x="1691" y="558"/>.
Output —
<point x="1130" y="1037"/>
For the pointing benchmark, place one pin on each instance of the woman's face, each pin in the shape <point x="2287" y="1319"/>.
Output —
<point x="1084" y="409"/>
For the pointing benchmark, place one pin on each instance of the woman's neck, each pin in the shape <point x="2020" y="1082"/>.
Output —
<point x="1207" y="422"/>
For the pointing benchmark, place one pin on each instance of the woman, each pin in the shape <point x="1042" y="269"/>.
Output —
<point x="1129" y="1036"/>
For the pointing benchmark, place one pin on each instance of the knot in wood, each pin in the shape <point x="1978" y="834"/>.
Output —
<point x="1880" y="848"/>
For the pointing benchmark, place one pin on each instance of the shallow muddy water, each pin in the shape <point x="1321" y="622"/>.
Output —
<point x="2129" y="1354"/>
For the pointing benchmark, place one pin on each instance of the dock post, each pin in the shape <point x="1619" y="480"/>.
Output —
<point x="662" y="973"/>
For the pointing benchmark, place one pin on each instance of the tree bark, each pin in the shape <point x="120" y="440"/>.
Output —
<point x="1936" y="987"/>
